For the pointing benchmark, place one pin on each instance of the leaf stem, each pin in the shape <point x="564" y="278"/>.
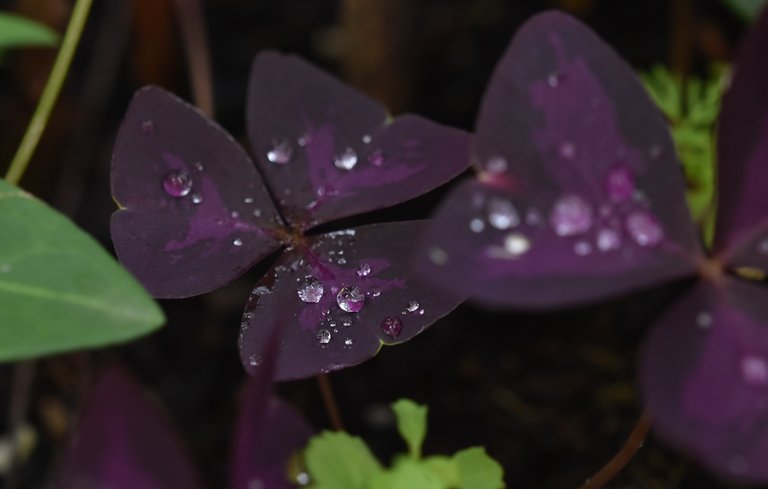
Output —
<point x="50" y="93"/>
<point x="329" y="400"/>
<point x="621" y="459"/>
<point x="21" y="392"/>
<point x="195" y="40"/>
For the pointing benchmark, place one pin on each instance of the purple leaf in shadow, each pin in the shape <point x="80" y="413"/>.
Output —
<point x="345" y="293"/>
<point x="579" y="195"/>
<point x="328" y="152"/>
<point x="123" y="441"/>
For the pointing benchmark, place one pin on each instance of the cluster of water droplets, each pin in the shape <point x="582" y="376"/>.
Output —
<point x="281" y="152"/>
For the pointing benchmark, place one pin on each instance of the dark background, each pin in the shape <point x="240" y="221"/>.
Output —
<point x="551" y="396"/>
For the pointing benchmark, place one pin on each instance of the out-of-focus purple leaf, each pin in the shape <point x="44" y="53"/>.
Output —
<point x="329" y="152"/>
<point x="346" y="293"/>
<point x="580" y="195"/>
<point x="705" y="377"/>
<point x="194" y="212"/>
<point x="742" y="219"/>
<point x="123" y="441"/>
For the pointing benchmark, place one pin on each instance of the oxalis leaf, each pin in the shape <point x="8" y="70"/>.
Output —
<point x="59" y="290"/>
<point x="18" y="31"/>
<point x="340" y="461"/>
<point x="412" y="424"/>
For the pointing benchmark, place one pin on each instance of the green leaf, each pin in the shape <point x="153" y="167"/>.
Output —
<point x="412" y="424"/>
<point x="407" y="474"/>
<point x="747" y="9"/>
<point x="18" y="31"/>
<point x="59" y="289"/>
<point x="336" y="460"/>
<point x="477" y="470"/>
<point x="444" y="468"/>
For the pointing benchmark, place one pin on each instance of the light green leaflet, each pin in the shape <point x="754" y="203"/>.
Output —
<point x="59" y="289"/>
<point x="16" y="31"/>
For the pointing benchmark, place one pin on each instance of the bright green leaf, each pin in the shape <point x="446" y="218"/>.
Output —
<point x="748" y="9"/>
<point x="412" y="424"/>
<point x="407" y="474"/>
<point x="444" y="468"/>
<point x="336" y="460"/>
<point x="19" y="31"/>
<point x="59" y="289"/>
<point x="477" y="470"/>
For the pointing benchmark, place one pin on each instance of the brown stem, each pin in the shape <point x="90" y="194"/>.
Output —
<point x="329" y="400"/>
<point x="23" y="376"/>
<point x="198" y="56"/>
<point x="621" y="459"/>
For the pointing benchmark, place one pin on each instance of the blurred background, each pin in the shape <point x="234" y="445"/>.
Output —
<point x="551" y="396"/>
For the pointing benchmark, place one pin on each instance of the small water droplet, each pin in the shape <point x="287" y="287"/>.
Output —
<point x="516" y="244"/>
<point x="644" y="229"/>
<point x="341" y="261"/>
<point x="367" y="139"/>
<point x="582" y="248"/>
<point x="656" y="151"/>
<point x="248" y="200"/>
<point x="261" y="290"/>
<point x="438" y="256"/>
<point x="392" y="327"/>
<point x="567" y="150"/>
<point x="619" y="185"/>
<point x="254" y="360"/>
<point x="608" y="240"/>
<point x="177" y="183"/>
<point x="496" y="165"/>
<point x="502" y="214"/>
<point x="257" y="213"/>
<point x="374" y="292"/>
<point x="363" y="270"/>
<point x="421" y="312"/>
<point x="147" y="127"/>
<point x="325" y="312"/>
<point x="346" y="321"/>
<point x="311" y="291"/>
<point x="302" y="478"/>
<point x="281" y="153"/>
<point x="198" y="166"/>
<point x="412" y="306"/>
<point x="704" y="320"/>
<point x="476" y="225"/>
<point x="346" y="160"/>
<point x="237" y="242"/>
<point x="348" y="342"/>
<point x="350" y="299"/>
<point x="553" y="80"/>
<point x="376" y="158"/>
<point x="754" y="369"/>
<point x="324" y="336"/>
<point x="762" y="247"/>
<point x="234" y="215"/>
<point x="570" y="216"/>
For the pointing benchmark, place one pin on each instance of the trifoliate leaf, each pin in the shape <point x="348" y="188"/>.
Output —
<point x="412" y="424"/>
<point x="337" y="460"/>
<point x="477" y="470"/>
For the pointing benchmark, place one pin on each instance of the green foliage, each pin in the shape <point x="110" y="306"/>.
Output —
<point x="341" y="461"/>
<point x="692" y="109"/>
<point x="59" y="289"/>
<point x="747" y="9"/>
<point x="16" y="31"/>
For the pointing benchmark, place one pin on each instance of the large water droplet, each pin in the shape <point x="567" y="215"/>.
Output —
<point x="311" y="290"/>
<point x="392" y="327"/>
<point x="644" y="229"/>
<point x="177" y="183"/>
<point x="570" y="216"/>
<point x="350" y="299"/>
<point x="619" y="185"/>
<point x="363" y="270"/>
<point x="346" y="160"/>
<point x="502" y="214"/>
<point x="516" y="244"/>
<point x="608" y="240"/>
<point x="281" y="153"/>
<point x="324" y="336"/>
<point x="754" y="369"/>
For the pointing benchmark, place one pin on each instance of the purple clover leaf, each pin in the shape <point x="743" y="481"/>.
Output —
<point x="580" y="198"/>
<point x="196" y="213"/>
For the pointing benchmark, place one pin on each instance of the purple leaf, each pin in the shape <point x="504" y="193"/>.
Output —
<point x="329" y="152"/>
<point x="580" y="196"/>
<point x="742" y="220"/>
<point x="344" y="293"/>
<point x="123" y="441"/>
<point x="705" y="377"/>
<point x="194" y="214"/>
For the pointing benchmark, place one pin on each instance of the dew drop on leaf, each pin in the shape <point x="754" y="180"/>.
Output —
<point x="391" y="326"/>
<point x="350" y="299"/>
<point x="346" y="160"/>
<point x="376" y="158"/>
<point x="311" y="291"/>
<point x="324" y="336"/>
<point x="367" y="139"/>
<point x="412" y="306"/>
<point x="502" y="214"/>
<point x="754" y="369"/>
<point x="348" y="342"/>
<point x="237" y="242"/>
<point x="198" y="166"/>
<point x="582" y="248"/>
<point x="374" y="292"/>
<point x="476" y="225"/>
<point x="196" y="198"/>
<point x="516" y="244"/>
<point x="608" y="240"/>
<point x="496" y="165"/>
<point x="644" y="229"/>
<point x="346" y="321"/>
<point x="619" y="185"/>
<point x="567" y="150"/>
<point x="704" y="320"/>
<point x="363" y="270"/>
<point x="147" y="127"/>
<point x="281" y="153"/>
<point x="177" y="183"/>
<point x="570" y="216"/>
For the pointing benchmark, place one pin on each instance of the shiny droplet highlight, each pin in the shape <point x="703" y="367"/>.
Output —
<point x="177" y="183"/>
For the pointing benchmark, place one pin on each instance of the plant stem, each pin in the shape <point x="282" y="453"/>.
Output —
<point x="50" y="92"/>
<point x="329" y="400"/>
<point x="190" y="14"/>
<point x="621" y="459"/>
<point x="23" y="377"/>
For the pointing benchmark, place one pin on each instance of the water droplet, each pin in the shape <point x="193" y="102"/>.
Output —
<point x="392" y="327"/>
<point x="438" y="256"/>
<point x="257" y="213"/>
<point x="177" y="183"/>
<point x="196" y="198"/>
<point x="496" y="165"/>
<point x="248" y="200"/>
<point x="367" y="139"/>
<point x="608" y="240"/>
<point x="5" y="268"/>
<point x="516" y="244"/>
<point x="198" y="166"/>
<point x="553" y="80"/>
<point x="147" y="127"/>
<point x="644" y="229"/>
<point x="570" y="215"/>
<point x="281" y="153"/>
<point x="376" y="158"/>
<point x="346" y="160"/>
<point x="762" y="247"/>
<point x="754" y="369"/>
<point x="350" y="299"/>
<point x="348" y="342"/>
<point x="412" y="306"/>
<point x="476" y="225"/>
<point x="346" y="321"/>
<point x="341" y="261"/>
<point x="582" y="248"/>
<point x="502" y="214"/>
<point x="325" y="312"/>
<point x="302" y="478"/>
<point x="619" y="185"/>
<point x="363" y="270"/>
<point x="234" y="215"/>
<point x="261" y="290"/>
<point x="311" y="290"/>
<point x="324" y="336"/>
<point x="656" y="151"/>
<point x="254" y="360"/>
<point x="374" y="292"/>
<point x="421" y="312"/>
<point x="237" y="242"/>
<point x="704" y="320"/>
<point x="567" y="150"/>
